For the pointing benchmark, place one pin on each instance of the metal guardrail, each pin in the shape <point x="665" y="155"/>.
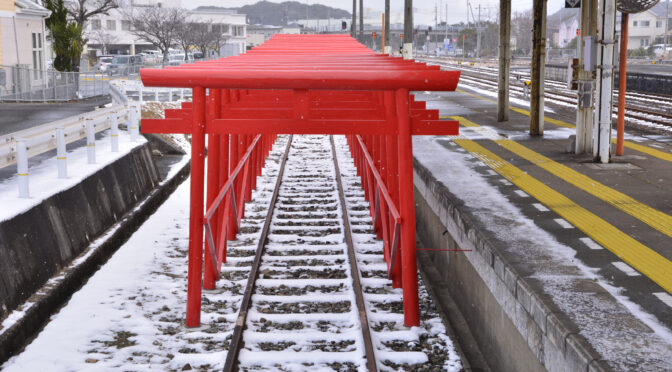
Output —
<point x="19" y="146"/>
<point x="135" y="90"/>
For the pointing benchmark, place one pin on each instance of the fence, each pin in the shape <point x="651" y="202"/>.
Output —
<point x="22" y="84"/>
<point x="19" y="146"/>
<point x="134" y="90"/>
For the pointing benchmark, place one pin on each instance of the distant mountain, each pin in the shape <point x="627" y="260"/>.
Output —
<point x="280" y="14"/>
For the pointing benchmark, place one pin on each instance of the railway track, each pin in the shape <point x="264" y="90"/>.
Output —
<point x="655" y="109"/>
<point x="317" y="295"/>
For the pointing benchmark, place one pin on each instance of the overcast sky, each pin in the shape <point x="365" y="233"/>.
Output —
<point x="424" y="9"/>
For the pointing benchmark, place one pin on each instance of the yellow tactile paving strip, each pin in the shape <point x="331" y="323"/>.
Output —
<point x="650" y="216"/>
<point x="631" y="145"/>
<point x="637" y="255"/>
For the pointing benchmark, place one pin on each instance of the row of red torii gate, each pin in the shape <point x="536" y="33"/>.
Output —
<point x="300" y="84"/>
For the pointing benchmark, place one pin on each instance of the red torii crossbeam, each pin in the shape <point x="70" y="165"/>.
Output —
<point x="301" y="84"/>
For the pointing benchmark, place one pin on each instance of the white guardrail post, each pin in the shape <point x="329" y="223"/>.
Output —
<point x="156" y="94"/>
<point x="114" y="132"/>
<point x="140" y="94"/>
<point x="61" y="155"/>
<point x="181" y="94"/>
<point x="133" y="122"/>
<point x="90" y="142"/>
<point x="22" y="167"/>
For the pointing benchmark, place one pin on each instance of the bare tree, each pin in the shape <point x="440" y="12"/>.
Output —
<point x="206" y="36"/>
<point x="185" y="36"/>
<point x="521" y="28"/>
<point x="105" y="38"/>
<point x="82" y="10"/>
<point x="157" y="26"/>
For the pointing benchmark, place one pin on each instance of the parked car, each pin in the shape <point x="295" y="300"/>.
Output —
<point x="103" y="63"/>
<point x="177" y="59"/>
<point x="125" y="65"/>
<point x="151" y="56"/>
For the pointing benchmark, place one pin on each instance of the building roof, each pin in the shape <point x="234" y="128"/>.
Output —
<point x="31" y="7"/>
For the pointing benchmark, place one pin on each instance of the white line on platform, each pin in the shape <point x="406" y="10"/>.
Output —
<point x="629" y="271"/>
<point x="562" y="222"/>
<point x="540" y="207"/>
<point x="590" y="243"/>
<point x="521" y="193"/>
<point x="505" y="182"/>
<point x="665" y="297"/>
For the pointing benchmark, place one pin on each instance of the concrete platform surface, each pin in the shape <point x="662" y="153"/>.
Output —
<point x="612" y="285"/>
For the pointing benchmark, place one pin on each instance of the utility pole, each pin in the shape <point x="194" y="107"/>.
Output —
<point x="353" y="24"/>
<point x="361" y="21"/>
<point x="407" y="50"/>
<point x="605" y="81"/>
<point x="386" y="38"/>
<point x="436" y="20"/>
<point x="538" y="66"/>
<point x="504" y="60"/>
<point x="478" y="29"/>
<point x="667" y="28"/>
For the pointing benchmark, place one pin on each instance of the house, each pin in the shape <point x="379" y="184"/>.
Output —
<point x="648" y="27"/>
<point x="112" y="32"/>
<point x="22" y="40"/>
<point x="562" y="26"/>
<point x="22" y="44"/>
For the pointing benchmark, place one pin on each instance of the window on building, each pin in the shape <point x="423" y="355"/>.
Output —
<point x="643" y="42"/>
<point x="659" y="24"/>
<point x="646" y="23"/>
<point x="37" y="54"/>
<point x="111" y="25"/>
<point x="126" y="25"/>
<point x="634" y="23"/>
<point x="95" y="24"/>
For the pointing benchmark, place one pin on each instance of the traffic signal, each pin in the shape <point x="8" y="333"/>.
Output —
<point x="344" y="25"/>
<point x="373" y="35"/>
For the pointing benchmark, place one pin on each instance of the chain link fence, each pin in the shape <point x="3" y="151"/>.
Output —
<point x="22" y="84"/>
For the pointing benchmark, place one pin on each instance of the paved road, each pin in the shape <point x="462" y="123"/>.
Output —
<point x="18" y="116"/>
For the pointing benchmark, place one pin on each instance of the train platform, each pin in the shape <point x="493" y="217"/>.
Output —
<point x="576" y="254"/>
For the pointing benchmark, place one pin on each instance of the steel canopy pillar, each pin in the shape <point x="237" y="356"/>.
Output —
<point x="353" y="24"/>
<point x="194" y="276"/>
<point x="504" y="60"/>
<point x="586" y="86"/>
<point x="407" y="48"/>
<point x="409" y="272"/>
<point x="386" y="28"/>
<point x="622" y="84"/>
<point x="538" y="67"/>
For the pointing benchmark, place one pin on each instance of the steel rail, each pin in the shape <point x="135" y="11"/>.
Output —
<point x="236" y="343"/>
<point x="354" y="271"/>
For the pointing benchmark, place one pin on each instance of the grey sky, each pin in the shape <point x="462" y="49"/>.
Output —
<point x="424" y="9"/>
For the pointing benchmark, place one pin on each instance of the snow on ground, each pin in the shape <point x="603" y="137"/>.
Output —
<point x="556" y="265"/>
<point x="43" y="178"/>
<point x="129" y="315"/>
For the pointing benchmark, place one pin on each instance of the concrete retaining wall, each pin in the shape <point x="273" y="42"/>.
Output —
<point x="38" y="243"/>
<point x="515" y="328"/>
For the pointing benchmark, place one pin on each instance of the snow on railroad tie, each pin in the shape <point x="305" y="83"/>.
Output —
<point x="303" y="313"/>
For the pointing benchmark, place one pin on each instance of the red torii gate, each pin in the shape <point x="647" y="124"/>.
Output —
<point x="301" y="84"/>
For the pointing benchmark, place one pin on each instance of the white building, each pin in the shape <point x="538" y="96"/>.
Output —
<point x="22" y="44"/>
<point x="258" y="34"/>
<point x="648" y="27"/>
<point x="114" y="30"/>
<point x="22" y="40"/>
